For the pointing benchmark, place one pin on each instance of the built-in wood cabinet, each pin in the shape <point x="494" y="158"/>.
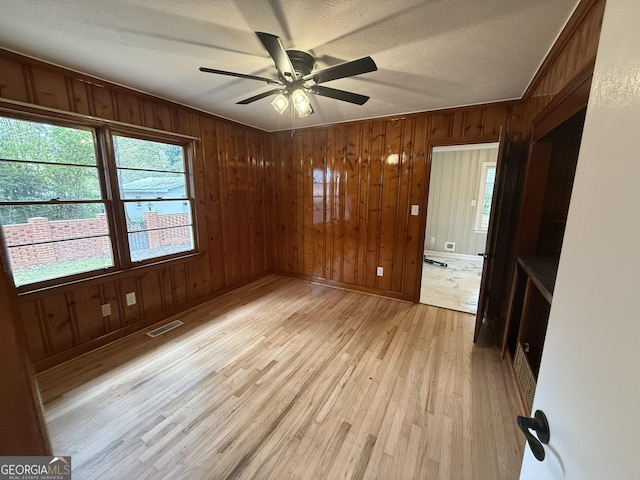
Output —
<point x="531" y="299"/>
<point x="551" y="166"/>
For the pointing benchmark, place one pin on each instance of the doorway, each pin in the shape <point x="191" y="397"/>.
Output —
<point x="460" y="195"/>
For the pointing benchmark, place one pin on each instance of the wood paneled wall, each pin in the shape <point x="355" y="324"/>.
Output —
<point x="343" y="195"/>
<point x="230" y="173"/>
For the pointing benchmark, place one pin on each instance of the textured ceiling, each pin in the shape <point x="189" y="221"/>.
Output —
<point x="431" y="54"/>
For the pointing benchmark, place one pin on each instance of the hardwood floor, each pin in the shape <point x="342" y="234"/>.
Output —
<point x="284" y="379"/>
<point x="455" y="287"/>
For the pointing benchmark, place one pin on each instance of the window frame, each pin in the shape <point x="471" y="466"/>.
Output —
<point x="103" y="132"/>
<point x="478" y="227"/>
<point x="188" y="151"/>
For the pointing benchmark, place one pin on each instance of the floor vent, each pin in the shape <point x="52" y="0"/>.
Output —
<point x="165" y="328"/>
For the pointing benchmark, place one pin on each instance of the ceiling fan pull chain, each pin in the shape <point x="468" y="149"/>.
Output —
<point x="293" y="123"/>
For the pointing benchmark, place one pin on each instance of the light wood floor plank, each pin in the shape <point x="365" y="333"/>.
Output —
<point x="285" y="379"/>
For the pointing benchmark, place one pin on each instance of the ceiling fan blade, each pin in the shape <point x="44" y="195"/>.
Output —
<point x="270" y="81"/>
<point x="348" y="69"/>
<point x="276" y="50"/>
<point x="339" y="94"/>
<point x="260" y="96"/>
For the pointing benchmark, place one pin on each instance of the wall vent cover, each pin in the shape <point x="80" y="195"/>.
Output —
<point x="450" y="246"/>
<point x="524" y="375"/>
<point x="164" y="329"/>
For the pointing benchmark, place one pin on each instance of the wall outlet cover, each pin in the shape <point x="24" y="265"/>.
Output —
<point x="380" y="271"/>
<point x="415" y="209"/>
<point x="131" y="298"/>
<point x="106" y="309"/>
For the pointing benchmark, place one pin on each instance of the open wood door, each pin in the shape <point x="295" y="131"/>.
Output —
<point x="490" y="247"/>
<point x="22" y="425"/>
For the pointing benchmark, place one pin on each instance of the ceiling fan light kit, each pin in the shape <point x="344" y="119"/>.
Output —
<point x="280" y="103"/>
<point x="296" y="79"/>
<point x="301" y="103"/>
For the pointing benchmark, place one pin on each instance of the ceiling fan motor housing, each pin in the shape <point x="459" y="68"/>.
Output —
<point x="302" y="62"/>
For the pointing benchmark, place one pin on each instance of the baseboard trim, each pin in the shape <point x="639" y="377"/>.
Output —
<point x="455" y="255"/>
<point x="346" y="286"/>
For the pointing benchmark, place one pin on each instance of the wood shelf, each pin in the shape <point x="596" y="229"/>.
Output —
<point x="542" y="272"/>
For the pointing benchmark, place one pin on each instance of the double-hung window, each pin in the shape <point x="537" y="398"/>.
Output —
<point x="77" y="200"/>
<point x="152" y="184"/>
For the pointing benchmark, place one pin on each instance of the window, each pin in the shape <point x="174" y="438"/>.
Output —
<point x="156" y="173"/>
<point x="51" y="202"/>
<point x="60" y="216"/>
<point x="485" y="196"/>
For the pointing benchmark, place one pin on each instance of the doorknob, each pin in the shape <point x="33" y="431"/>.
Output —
<point x="484" y="255"/>
<point x="540" y="425"/>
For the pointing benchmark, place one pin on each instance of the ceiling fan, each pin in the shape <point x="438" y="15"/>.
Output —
<point x="296" y="78"/>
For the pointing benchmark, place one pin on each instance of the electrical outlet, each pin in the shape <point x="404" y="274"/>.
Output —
<point x="131" y="298"/>
<point x="433" y="239"/>
<point x="473" y="203"/>
<point x="415" y="209"/>
<point x="380" y="271"/>
<point x="106" y="309"/>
